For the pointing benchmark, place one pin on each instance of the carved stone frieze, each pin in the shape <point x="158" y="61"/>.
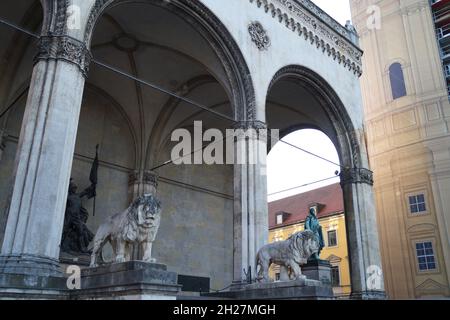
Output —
<point x="317" y="27"/>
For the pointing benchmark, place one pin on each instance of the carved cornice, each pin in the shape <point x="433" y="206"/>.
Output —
<point x="356" y="175"/>
<point x="315" y="26"/>
<point x="58" y="47"/>
<point x="336" y="26"/>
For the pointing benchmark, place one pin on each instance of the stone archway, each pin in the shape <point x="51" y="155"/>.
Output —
<point x="316" y="104"/>
<point x="238" y="87"/>
<point x="238" y="74"/>
<point x="40" y="190"/>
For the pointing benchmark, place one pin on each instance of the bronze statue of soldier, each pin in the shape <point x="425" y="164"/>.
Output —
<point x="312" y="223"/>
<point x="76" y="235"/>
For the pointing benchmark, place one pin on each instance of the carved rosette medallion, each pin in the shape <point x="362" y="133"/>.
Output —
<point x="259" y="35"/>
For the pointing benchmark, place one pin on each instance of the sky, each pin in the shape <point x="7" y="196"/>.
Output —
<point x="288" y="167"/>
<point x="338" y="9"/>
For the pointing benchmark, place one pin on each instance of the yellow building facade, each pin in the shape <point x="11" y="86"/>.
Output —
<point x="287" y="216"/>
<point x="407" y="119"/>
<point x="335" y="254"/>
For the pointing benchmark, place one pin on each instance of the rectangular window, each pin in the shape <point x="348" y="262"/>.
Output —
<point x="332" y="238"/>
<point x="277" y="276"/>
<point x="335" y="277"/>
<point x="417" y="204"/>
<point x="425" y="256"/>
<point x="280" y="218"/>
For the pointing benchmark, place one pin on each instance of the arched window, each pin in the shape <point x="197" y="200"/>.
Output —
<point x="397" y="80"/>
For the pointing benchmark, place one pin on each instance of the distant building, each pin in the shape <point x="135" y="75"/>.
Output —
<point x="287" y="216"/>
<point x="407" y="120"/>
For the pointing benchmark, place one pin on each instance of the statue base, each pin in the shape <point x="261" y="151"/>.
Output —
<point x="300" y="289"/>
<point x="318" y="270"/>
<point x="72" y="258"/>
<point x="133" y="280"/>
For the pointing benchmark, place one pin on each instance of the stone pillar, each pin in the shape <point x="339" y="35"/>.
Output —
<point x="44" y="158"/>
<point x="2" y="143"/>
<point x="251" y="226"/>
<point x="362" y="234"/>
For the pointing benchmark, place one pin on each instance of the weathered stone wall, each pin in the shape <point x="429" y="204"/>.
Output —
<point x="196" y="233"/>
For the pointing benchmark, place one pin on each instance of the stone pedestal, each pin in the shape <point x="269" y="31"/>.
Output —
<point x="32" y="287"/>
<point x="300" y="289"/>
<point x="133" y="280"/>
<point x="318" y="270"/>
<point x="28" y="264"/>
<point x="67" y="259"/>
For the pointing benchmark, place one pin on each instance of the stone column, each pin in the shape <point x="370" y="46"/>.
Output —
<point x="250" y="204"/>
<point x="44" y="158"/>
<point x="2" y="143"/>
<point x="362" y="234"/>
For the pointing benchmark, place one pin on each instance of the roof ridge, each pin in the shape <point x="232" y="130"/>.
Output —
<point x="306" y="192"/>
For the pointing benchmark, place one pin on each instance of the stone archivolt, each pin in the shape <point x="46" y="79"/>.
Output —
<point x="316" y="26"/>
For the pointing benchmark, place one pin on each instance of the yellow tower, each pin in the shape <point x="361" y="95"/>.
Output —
<point x="407" y="116"/>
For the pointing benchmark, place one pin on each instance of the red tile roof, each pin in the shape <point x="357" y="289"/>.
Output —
<point x="298" y="206"/>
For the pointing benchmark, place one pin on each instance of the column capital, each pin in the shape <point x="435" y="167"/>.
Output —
<point x="250" y="124"/>
<point x="62" y="47"/>
<point x="133" y="177"/>
<point x="142" y="182"/>
<point x="146" y="177"/>
<point x="356" y="175"/>
<point x="150" y="178"/>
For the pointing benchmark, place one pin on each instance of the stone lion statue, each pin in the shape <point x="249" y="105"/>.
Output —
<point x="288" y="254"/>
<point x="138" y="224"/>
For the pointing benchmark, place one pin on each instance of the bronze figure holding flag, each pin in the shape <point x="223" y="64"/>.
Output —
<point x="76" y="235"/>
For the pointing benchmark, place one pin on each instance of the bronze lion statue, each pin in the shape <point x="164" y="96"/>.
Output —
<point x="288" y="254"/>
<point x="138" y="224"/>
